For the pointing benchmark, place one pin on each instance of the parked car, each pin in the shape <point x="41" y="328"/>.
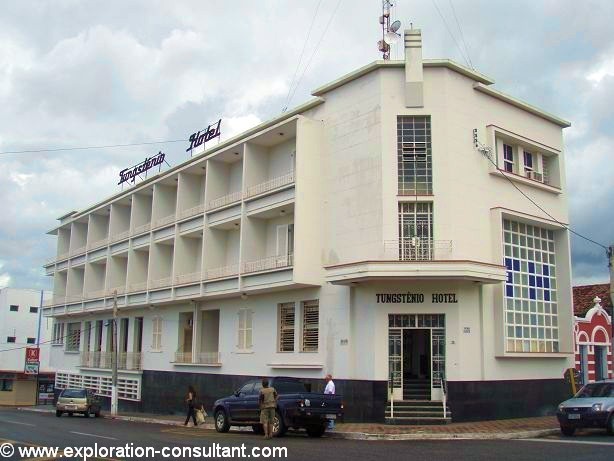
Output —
<point x="296" y="408"/>
<point x="592" y="406"/>
<point x="82" y="401"/>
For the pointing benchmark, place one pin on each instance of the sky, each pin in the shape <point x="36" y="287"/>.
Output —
<point x="77" y="73"/>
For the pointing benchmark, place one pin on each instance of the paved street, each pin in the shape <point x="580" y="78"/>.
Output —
<point x="47" y="430"/>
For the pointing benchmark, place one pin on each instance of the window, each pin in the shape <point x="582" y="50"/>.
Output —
<point x="415" y="176"/>
<point x="247" y="388"/>
<point x="73" y="336"/>
<point x="6" y="385"/>
<point x="528" y="163"/>
<point x="58" y="333"/>
<point x="531" y="311"/>
<point x="31" y="340"/>
<point x="508" y="158"/>
<point x="156" y="334"/>
<point x="10" y="339"/>
<point x="14" y="308"/>
<point x="311" y="326"/>
<point x="415" y="231"/>
<point x="286" y="327"/>
<point x="33" y="310"/>
<point x="245" y="329"/>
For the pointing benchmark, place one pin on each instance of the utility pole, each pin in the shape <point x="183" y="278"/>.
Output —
<point x="38" y="346"/>
<point x="114" y="358"/>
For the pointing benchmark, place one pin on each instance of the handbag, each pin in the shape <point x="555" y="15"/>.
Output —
<point x="200" y="416"/>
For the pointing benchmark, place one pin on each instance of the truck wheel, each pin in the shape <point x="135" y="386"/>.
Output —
<point x="316" y="431"/>
<point x="568" y="431"/>
<point x="221" y="421"/>
<point x="58" y="413"/>
<point x="86" y="413"/>
<point x="279" y="427"/>
<point x="257" y="428"/>
<point x="610" y="426"/>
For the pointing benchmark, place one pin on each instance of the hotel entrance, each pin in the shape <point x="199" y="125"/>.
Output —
<point x="416" y="356"/>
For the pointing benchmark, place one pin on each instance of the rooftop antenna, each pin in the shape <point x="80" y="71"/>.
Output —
<point x="389" y="31"/>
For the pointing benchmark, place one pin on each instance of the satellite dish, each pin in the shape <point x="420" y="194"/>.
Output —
<point x="391" y="38"/>
<point x="396" y="25"/>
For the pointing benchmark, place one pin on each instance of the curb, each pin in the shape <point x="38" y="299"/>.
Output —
<point x="537" y="433"/>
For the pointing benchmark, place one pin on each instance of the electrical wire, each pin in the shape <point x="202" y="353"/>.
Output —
<point x="300" y="59"/>
<point x="110" y="146"/>
<point x="330" y="20"/>
<point x="462" y="36"/>
<point x="450" y="32"/>
<point x="488" y="156"/>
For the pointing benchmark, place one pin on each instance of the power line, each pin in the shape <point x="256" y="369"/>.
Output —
<point x="462" y="36"/>
<point x="300" y="59"/>
<point x="110" y="146"/>
<point x="330" y="20"/>
<point x="488" y="156"/>
<point x="450" y="32"/>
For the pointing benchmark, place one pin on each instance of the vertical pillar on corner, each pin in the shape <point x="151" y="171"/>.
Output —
<point x="414" y="80"/>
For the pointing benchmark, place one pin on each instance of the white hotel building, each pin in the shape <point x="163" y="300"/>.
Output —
<point x="361" y="234"/>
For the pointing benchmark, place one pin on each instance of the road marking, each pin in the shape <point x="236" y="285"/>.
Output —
<point x="93" y="435"/>
<point x="582" y="442"/>
<point x="17" y="422"/>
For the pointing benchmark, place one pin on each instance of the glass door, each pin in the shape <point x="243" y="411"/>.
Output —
<point x="438" y="362"/>
<point x="395" y="364"/>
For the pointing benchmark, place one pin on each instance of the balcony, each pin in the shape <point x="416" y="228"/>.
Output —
<point x="120" y="236"/>
<point x="166" y="220"/>
<point x="73" y="299"/>
<point x="183" y="357"/>
<point x="141" y="229"/>
<point x="125" y="361"/>
<point x="98" y="244"/>
<point x="188" y="213"/>
<point x="267" y="186"/>
<point x="78" y="251"/>
<point x="95" y="294"/>
<point x="224" y="200"/>
<point x="201" y="358"/>
<point x="221" y="272"/>
<point x="269" y="263"/>
<point x="413" y="259"/>
<point x="160" y="283"/>
<point x="188" y="278"/>
<point x="110" y="292"/>
<point x="137" y="286"/>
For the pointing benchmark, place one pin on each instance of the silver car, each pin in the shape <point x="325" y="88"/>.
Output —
<point x="592" y="406"/>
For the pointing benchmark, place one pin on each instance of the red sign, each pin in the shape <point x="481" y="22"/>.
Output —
<point x="32" y="354"/>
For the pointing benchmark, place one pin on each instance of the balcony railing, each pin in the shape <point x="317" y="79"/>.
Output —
<point x="137" y="286"/>
<point x="78" y="251"/>
<point x="55" y="300"/>
<point x="272" y="262"/>
<point x="120" y="236"/>
<point x="225" y="200"/>
<point x="73" y="299"/>
<point x="269" y="185"/>
<point x="164" y="221"/>
<point x="195" y="210"/>
<point x="95" y="294"/>
<point x="211" y="358"/>
<point x="104" y="360"/>
<point x="110" y="292"/>
<point x="63" y="256"/>
<point x="183" y="357"/>
<point x="98" y="244"/>
<point x="418" y="249"/>
<point x="224" y="271"/>
<point x="159" y="283"/>
<point x="141" y="229"/>
<point x="188" y="278"/>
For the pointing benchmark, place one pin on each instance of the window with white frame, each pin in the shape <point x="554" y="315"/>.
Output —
<point x="528" y="163"/>
<point x="73" y="336"/>
<point x="287" y="322"/>
<point x="530" y="296"/>
<point x="415" y="170"/>
<point x="245" y="329"/>
<point x="415" y="231"/>
<point x="311" y="326"/>
<point x="508" y="158"/>
<point x="156" y="334"/>
<point x="58" y="333"/>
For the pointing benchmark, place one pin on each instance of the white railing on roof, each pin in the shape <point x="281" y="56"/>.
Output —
<point x="225" y="200"/>
<point x="269" y="185"/>
<point x="271" y="262"/>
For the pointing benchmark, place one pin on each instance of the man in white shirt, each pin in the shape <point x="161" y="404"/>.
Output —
<point x="330" y="389"/>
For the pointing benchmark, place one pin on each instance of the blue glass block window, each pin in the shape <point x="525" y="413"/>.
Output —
<point x="529" y="258"/>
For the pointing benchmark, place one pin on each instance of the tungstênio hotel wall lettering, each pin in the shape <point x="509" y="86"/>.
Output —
<point x="411" y="298"/>
<point x="130" y="174"/>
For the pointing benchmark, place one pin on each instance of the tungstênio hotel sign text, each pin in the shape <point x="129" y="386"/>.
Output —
<point x="415" y="298"/>
<point x="130" y="174"/>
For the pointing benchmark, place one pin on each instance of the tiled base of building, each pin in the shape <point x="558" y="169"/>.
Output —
<point x="163" y="392"/>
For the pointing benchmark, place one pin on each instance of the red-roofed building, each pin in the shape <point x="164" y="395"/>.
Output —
<point x="593" y="331"/>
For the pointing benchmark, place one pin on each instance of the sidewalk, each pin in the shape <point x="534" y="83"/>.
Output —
<point x="484" y="430"/>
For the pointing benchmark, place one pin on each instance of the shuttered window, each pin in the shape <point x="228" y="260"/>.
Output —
<point x="73" y="336"/>
<point x="287" y="322"/>
<point x="311" y="326"/>
<point x="156" y="337"/>
<point x="245" y="329"/>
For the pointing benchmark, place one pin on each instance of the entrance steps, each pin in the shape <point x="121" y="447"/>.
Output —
<point x="416" y="389"/>
<point x="417" y="412"/>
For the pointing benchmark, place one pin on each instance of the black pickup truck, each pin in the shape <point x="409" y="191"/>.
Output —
<point x="296" y="408"/>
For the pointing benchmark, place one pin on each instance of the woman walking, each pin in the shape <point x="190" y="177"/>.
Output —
<point x="190" y="400"/>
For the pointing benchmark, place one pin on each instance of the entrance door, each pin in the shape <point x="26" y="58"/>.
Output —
<point x="416" y="364"/>
<point x="600" y="363"/>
